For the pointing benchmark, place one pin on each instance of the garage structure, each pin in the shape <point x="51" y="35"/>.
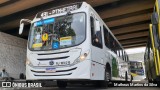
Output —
<point x="128" y="19"/>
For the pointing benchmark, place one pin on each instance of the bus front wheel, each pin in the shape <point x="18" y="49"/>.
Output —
<point x="62" y="84"/>
<point x="106" y="80"/>
<point x="126" y="76"/>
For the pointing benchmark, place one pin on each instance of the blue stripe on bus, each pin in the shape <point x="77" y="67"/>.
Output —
<point x="45" y="21"/>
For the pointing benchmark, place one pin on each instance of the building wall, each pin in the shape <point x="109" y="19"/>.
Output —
<point x="12" y="54"/>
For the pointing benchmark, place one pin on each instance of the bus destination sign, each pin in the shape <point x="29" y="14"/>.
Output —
<point x="58" y="10"/>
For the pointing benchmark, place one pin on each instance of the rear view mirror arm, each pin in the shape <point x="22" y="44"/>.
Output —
<point x="22" y="24"/>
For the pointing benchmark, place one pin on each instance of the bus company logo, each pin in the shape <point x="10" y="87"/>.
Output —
<point x="51" y="62"/>
<point x="6" y="84"/>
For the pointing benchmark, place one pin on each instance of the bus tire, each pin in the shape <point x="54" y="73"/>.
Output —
<point x="131" y="78"/>
<point x="126" y="76"/>
<point x="106" y="80"/>
<point x="62" y="84"/>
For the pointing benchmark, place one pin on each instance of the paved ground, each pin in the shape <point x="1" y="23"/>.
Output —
<point x="53" y="86"/>
<point x="86" y="88"/>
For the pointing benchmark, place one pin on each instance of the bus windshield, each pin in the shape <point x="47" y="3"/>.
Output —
<point x="137" y="68"/>
<point x="58" y="32"/>
<point x="136" y="65"/>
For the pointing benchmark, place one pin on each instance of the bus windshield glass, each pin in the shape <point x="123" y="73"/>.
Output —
<point x="137" y="68"/>
<point x="136" y="65"/>
<point x="58" y="32"/>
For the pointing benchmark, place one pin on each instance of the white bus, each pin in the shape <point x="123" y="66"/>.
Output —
<point x="72" y="42"/>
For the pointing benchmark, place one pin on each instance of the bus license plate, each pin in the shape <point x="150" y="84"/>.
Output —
<point x="50" y="70"/>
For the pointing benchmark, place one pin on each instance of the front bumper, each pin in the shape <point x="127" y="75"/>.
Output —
<point x="79" y="71"/>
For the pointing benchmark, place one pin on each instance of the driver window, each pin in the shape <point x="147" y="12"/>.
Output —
<point x="96" y="36"/>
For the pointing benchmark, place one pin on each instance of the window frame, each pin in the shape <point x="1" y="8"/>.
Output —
<point x="93" y="34"/>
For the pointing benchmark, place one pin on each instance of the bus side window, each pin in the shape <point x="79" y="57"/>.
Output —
<point x="119" y="53"/>
<point x="112" y="43"/>
<point x="106" y="36"/>
<point x="118" y="50"/>
<point x="125" y="57"/>
<point x="116" y="47"/>
<point x="96" y="36"/>
<point x="122" y="54"/>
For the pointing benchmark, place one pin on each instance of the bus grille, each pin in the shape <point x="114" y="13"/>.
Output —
<point x="42" y="59"/>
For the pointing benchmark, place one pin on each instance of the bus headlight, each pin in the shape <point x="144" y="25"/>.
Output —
<point x="28" y="62"/>
<point x="82" y="57"/>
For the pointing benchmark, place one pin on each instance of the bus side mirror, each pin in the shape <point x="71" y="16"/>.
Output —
<point x="22" y="24"/>
<point x="154" y="18"/>
<point x="21" y="28"/>
<point x="97" y="26"/>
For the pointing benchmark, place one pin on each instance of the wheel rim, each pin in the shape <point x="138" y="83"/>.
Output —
<point x="107" y="76"/>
